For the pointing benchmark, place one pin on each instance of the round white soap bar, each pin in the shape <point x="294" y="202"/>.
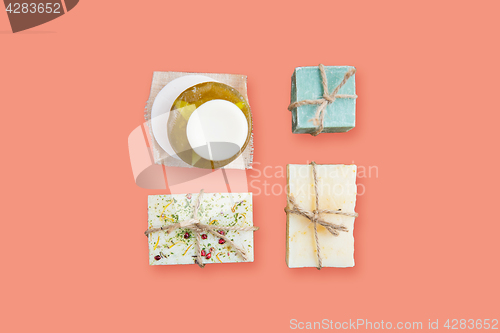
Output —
<point x="217" y="130"/>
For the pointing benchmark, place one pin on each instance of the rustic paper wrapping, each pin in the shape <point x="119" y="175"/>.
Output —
<point x="160" y="79"/>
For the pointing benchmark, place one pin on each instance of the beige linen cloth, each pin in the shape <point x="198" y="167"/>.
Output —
<point x="160" y="79"/>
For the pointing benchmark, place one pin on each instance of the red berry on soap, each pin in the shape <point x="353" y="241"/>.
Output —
<point x="203" y="253"/>
<point x="221" y="241"/>
<point x="187" y="235"/>
<point x="222" y="232"/>
<point x="204" y="236"/>
<point x="157" y="257"/>
<point x="209" y="255"/>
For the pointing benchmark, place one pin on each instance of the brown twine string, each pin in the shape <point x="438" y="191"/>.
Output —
<point x="197" y="227"/>
<point x="314" y="215"/>
<point x="319" y="117"/>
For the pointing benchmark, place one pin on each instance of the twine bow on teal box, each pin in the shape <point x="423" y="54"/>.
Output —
<point x="323" y="99"/>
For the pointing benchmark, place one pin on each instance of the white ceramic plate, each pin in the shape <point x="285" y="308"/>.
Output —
<point x="163" y="103"/>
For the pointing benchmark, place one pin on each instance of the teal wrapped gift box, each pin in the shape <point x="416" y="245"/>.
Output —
<point x="339" y="114"/>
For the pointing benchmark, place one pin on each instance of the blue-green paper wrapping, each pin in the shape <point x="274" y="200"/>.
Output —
<point x="340" y="116"/>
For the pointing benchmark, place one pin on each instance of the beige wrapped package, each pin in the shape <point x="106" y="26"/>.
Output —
<point x="333" y="218"/>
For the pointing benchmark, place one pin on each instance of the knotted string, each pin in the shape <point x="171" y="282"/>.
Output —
<point x="195" y="225"/>
<point x="319" y="117"/>
<point x="314" y="217"/>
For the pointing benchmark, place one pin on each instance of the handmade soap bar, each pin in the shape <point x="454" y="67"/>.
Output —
<point x="307" y="85"/>
<point x="336" y="186"/>
<point x="215" y="209"/>
<point x="209" y="125"/>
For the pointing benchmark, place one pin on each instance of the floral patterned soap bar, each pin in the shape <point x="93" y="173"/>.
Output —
<point x="216" y="209"/>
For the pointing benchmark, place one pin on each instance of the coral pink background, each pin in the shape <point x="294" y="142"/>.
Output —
<point x="73" y="254"/>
